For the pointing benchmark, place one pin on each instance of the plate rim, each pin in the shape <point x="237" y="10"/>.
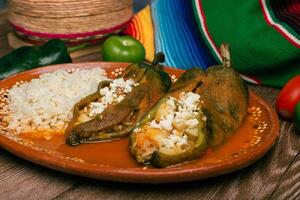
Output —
<point x="133" y="175"/>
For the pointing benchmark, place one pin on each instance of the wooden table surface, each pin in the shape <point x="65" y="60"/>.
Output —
<point x="275" y="176"/>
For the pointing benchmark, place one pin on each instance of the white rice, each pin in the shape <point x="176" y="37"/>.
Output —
<point x="46" y="103"/>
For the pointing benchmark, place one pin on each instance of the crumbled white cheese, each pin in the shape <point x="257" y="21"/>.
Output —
<point x="126" y="85"/>
<point x="171" y="102"/>
<point x="179" y="140"/>
<point x="189" y="101"/>
<point x="153" y="124"/>
<point x="136" y="130"/>
<point x="174" y="140"/>
<point x="179" y="119"/>
<point x="166" y="142"/>
<point x="192" y="131"/>
<point x="115" y="92"/>
<point x="192" y="123"/>
<point x="95" y="108"/>
<point x="166" y="123"/>
<point x="120" y="98"/>
<point x="103" y="91"/>
<point x="185" y="115"/>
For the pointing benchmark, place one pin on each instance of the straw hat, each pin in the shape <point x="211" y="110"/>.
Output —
<point x="71" y="20"/>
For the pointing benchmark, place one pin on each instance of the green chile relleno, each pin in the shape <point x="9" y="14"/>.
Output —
<point x="30" y="57"/>
<point x="224" y="102"/>
<point x="118" y="119"/>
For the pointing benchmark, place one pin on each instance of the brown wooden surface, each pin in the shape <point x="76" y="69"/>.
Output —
<point x="275" y="176"/>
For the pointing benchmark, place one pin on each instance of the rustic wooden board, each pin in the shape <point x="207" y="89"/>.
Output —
<point x="289" y="184"/>
<point x="22" y="180"/>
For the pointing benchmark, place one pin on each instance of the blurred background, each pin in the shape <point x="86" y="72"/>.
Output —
<point x="139" y="4"/>
<point x="2" y="4"/>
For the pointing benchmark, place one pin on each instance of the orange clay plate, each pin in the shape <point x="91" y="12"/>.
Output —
<point x="112" y="160"/>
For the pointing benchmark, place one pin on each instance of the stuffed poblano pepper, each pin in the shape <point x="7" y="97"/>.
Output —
<point x="115" y="108"/>
<point x="30" y="57"/>
<point x="199" y="111"/>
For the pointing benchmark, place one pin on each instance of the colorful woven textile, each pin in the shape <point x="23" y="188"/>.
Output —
<point x="264" y="35"/>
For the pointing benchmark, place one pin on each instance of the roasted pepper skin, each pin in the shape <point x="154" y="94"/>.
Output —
<point x="30" y="57"/>
<point x="160" y="159"/>
<point x="153" y="83"/>
<point x="187" y="82"/>
<point x="224" y="103"/>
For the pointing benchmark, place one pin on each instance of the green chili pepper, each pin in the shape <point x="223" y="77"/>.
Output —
<point x="30" y="57"/>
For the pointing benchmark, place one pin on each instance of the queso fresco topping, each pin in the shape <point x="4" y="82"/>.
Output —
<point x="114" y="93"/>
<point x="179" y="118"/>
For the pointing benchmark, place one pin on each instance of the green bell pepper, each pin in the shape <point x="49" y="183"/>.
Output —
<point x="30" y="57"/>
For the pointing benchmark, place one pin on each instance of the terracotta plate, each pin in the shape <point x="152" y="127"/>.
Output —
<point x="112" y="160"/>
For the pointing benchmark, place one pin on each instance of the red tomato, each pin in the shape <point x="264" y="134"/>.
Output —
<point x="288" y="97"/>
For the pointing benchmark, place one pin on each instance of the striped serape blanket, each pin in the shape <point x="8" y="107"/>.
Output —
<point x="264" y="35"/>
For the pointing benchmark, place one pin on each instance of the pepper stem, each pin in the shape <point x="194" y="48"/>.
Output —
<point x="76" y="48"/>
<point x="225" y="53"/>
<point x="159" y="58"/>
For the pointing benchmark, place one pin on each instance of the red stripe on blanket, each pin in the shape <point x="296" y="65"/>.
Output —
<point x="282" y="30"/>
<point x="206" y="29"/>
